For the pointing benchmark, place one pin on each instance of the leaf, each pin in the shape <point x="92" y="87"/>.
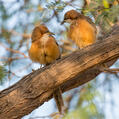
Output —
<point x="2" y="74"/>
<point x="105" y="3"/>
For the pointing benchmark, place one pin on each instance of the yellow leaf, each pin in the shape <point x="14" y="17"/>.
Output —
<point x="105" y="3"/>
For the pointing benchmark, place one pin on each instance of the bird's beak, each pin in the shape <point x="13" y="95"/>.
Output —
<point x="63" y="22"/>
<point x="51" y="33"/>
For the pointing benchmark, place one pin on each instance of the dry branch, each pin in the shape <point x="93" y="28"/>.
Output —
<point x="69" y="72"/>
<point x="14" y="51"/>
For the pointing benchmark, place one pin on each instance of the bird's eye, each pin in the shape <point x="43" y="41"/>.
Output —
<point x="47" y="31"/>
<point x="65" y="18"/>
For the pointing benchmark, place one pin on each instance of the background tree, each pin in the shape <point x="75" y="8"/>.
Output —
<point x="17" y="20"/>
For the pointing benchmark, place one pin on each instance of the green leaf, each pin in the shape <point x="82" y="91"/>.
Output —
<point x="2" y="73"/>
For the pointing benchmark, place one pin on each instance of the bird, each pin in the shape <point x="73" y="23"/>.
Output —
<point x="45" y="50"/>
<point x="82" y="30"/>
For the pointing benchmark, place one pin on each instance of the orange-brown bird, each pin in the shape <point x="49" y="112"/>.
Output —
<point x="82" y="30"/>
<point x="45" y="50"/>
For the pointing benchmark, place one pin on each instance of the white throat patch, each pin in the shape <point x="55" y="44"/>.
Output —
<point x="45" y="38"/>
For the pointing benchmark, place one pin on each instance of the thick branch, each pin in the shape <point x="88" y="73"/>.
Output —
<point x="69" y="72"/>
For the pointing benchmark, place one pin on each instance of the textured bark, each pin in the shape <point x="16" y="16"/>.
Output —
<point x="69" y="72"/>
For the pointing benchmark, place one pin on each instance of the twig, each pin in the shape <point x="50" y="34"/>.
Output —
<point x="18" y="34"/>
<point x="113" y="70"/>
<point x="14" y="51"/>
<point x="10" y="59"/>
<point x="14" y="74"/>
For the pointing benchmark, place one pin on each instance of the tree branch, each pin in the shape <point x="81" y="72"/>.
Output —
<point x="14" y="51"/>
<point x="68" y="73"/>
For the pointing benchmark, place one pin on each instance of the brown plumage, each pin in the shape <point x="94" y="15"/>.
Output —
<point x="45" y="50"/>
<point x="82" y="30"/>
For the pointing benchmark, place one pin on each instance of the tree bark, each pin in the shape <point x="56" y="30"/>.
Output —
<point x="69" y="72"/>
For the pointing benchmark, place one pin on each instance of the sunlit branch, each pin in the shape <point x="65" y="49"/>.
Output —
<point x="19" y="34"/>
<point x="12" y="50"/>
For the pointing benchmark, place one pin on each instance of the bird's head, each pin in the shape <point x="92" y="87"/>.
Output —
<point x="39" y="31"/>
<point x="43" y="29"/>
<point x="70" y="16"/>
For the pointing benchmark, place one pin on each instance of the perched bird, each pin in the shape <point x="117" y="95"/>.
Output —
<point x="45" y="50"/>
<point x="82" y="30"/>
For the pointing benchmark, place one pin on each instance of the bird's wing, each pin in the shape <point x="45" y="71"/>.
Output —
<point x="53" y="39"/>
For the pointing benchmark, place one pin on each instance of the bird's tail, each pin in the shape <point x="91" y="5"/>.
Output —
<point x="59" y="100"/>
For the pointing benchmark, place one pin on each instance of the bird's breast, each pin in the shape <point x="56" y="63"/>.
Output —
<point x="34" y="52"/>
<point x="44" y="39"/>
<point x="45" y="50"/>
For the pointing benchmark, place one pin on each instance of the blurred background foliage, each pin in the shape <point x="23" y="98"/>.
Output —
<point x="17" y="20"/>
